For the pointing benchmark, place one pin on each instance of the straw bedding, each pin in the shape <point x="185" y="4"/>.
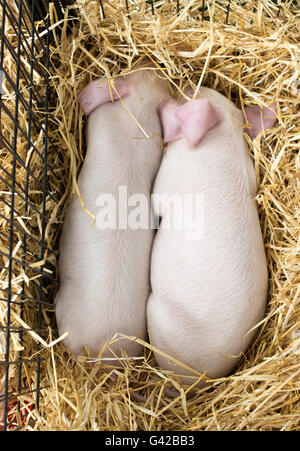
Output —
<point x="255" y="58"/>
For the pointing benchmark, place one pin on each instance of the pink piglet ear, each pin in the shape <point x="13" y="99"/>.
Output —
<point x="170" y="124"/>
<point x="190" y="121"/>
<point x="259" y="119"/>
<point x="197" y="117"/>
<point x="97" y="93"/>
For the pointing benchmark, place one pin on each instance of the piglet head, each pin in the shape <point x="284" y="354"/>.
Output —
<point x="190" y="121"/>
<point x="100" y="91"/>
<point x="259" y="119"/>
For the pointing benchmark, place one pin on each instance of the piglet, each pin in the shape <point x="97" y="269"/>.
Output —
<point x="208" y="271"/>
<point x="105" y="267"/>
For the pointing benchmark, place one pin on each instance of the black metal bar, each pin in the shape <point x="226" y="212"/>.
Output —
<point x="21" y="361"/>
<point x="44" y="211"/>
<point x="58" y="8"/>
<point x="66" y="2"/>
<point x="227" y="12"/>
<point x="279" y="9"/>
<point x="27" y="298"/>
<point x="39" y="12"/>
<point x="11" y="239"/>
<point x="102" y="9"/>
<point x="2" y="54"/>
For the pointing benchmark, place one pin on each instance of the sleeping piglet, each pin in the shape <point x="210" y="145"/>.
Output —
<point x="208" y="271"/>
<point x="105" y="268"/>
